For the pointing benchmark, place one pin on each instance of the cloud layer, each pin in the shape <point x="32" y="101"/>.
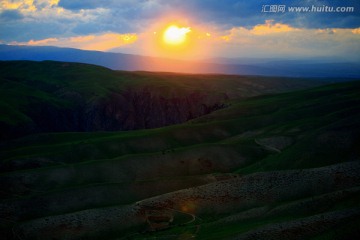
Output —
<point x="236" y="26"/>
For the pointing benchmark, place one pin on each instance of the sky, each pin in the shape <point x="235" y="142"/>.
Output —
<point x="228" y="28"/>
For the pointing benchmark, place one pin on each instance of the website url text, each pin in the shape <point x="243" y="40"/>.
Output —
<point x="313" y="8"/>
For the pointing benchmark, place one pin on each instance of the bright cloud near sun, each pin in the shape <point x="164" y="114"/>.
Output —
<point x="102" y="42"/>
<point x="170" y="37"/>
<point x="356" y="31"/>
<point x="174" y="35"/>
<point x="270" y="27"/>
<point x="237" y="34"/>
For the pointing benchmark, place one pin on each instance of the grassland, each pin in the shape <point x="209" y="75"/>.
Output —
<point x="268" y="166"/>
<point x="61" y="97"/>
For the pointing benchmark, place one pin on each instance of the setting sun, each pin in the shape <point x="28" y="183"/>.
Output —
<point x="175" y="38"/>
<point x="174" y="35"/>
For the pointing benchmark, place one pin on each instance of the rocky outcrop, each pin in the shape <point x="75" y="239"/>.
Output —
<point x="127" y="110"/>
<point x="146" y="108"/>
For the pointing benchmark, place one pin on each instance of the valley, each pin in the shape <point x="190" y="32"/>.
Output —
<point x="91" y="153"/>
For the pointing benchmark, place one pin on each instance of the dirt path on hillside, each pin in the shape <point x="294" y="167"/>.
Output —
<point x="266" y="147"/>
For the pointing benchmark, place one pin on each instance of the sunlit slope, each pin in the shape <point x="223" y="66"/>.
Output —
<point x="70" y="97"/>
<point x="245" y="171"/>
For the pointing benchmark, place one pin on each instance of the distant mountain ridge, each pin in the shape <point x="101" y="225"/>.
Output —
<point x="129" y="62"/>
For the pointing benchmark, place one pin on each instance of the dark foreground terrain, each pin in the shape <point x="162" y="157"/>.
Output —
<point x="249" y="158"/>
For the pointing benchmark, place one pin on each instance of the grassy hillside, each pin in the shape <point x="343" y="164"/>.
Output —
<point x="61" y="97"/>
<point x="277" y="166"/>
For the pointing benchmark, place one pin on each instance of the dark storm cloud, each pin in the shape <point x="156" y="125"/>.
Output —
<point x="248" y="13"/>
<point x="227" y="13"/>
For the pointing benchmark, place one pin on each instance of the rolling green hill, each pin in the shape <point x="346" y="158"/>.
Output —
<point x="265" y="165"/>
<point x="56" y="97"/>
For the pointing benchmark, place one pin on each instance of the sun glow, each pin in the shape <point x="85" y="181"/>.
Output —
<point x="176" y="38"/>
<point x="174" y="35"/>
